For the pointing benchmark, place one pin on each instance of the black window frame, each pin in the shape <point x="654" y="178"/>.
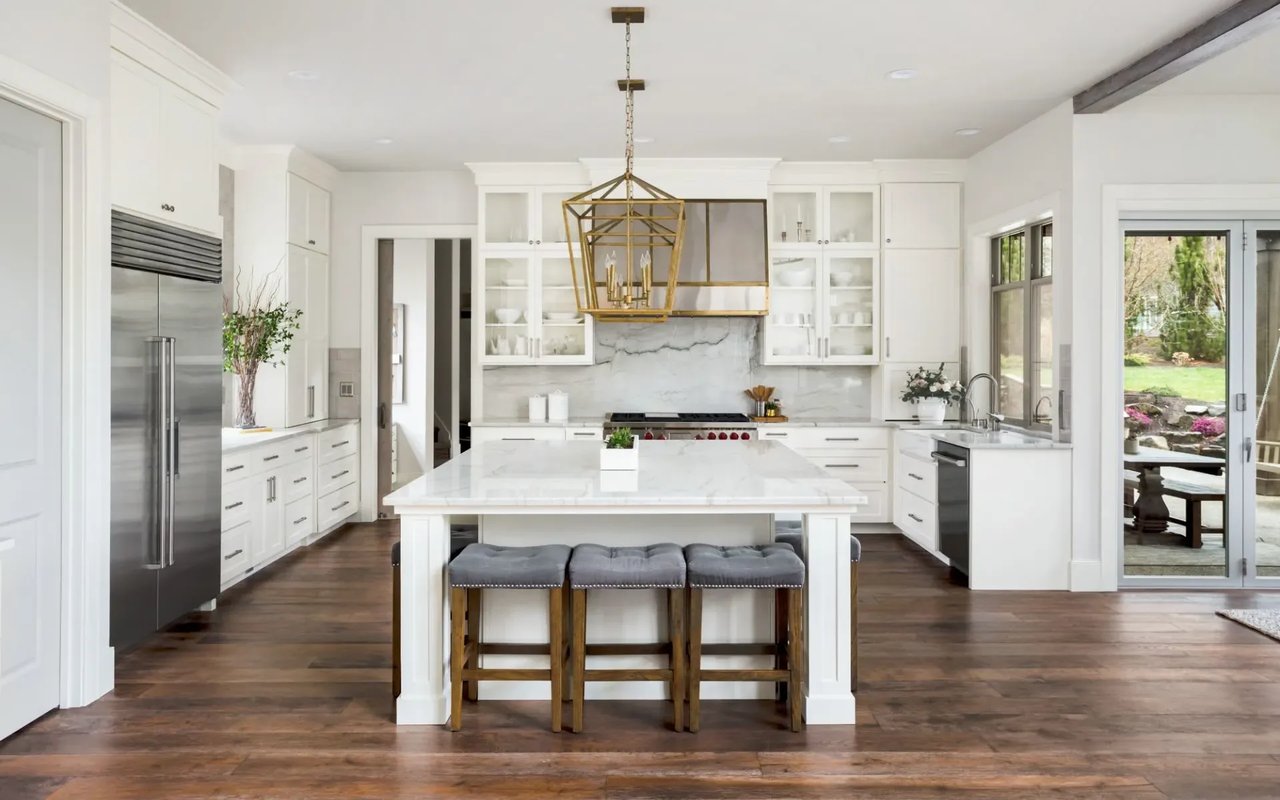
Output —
<point x="1034" y="275"/>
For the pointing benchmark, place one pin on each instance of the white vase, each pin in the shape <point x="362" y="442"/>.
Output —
<point x="620" y="458"/>
<point x="931" y="410"/>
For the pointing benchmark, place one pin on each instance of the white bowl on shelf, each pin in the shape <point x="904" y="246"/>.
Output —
<point x="801" y="276"/>
<point x="561" y="316"/>
<point x="507" y="316"/>
<point x="842" y="279"/>
<point x="514" y="282"/>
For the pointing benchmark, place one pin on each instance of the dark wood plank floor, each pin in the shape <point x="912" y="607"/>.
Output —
<point x="283" y="693"/>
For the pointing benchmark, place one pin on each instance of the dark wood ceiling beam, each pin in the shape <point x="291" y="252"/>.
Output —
<point x="1237" y="24"/>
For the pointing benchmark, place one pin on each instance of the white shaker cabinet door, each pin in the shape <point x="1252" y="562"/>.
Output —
<point x="921" y="306"/>
<point x="921" y="215"/>
<point x="135" y="136"/>
<point x="189" y="161"/>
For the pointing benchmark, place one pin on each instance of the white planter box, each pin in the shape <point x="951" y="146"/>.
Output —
<point x="619" y="459"/>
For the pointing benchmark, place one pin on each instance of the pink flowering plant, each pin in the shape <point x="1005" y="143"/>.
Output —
<point x="1135" y="421"/>
<point x="1209" y="427"/>
<point x="924" y="384"/>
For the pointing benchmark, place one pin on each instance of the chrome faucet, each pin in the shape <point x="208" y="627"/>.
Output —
<point x="993" y="420"/>
<point x="1036" y="416"/>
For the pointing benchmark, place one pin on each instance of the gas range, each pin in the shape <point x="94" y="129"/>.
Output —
<point x="713" y="426"/>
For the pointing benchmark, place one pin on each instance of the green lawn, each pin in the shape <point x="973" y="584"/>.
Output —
<point x="1208" y="384"/>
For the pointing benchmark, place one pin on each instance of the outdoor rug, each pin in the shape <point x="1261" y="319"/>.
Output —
<point x="1263" y="620"/>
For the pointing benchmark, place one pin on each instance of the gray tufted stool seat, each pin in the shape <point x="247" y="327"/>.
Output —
<point x="486" y="566"/>
<point x="460" y="536"/>
<point x="773" y="567"/>
<point x="793" y="534"/>
<point x="657" y="566"/>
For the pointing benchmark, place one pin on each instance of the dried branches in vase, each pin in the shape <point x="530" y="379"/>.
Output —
<point x="256" y="330"/>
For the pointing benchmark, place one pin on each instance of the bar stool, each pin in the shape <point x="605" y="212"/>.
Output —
<point x="795" y="538"/>
<point x="487" y="566"/>
<point x="659" y="566"/>
<point x="769" y="566"/>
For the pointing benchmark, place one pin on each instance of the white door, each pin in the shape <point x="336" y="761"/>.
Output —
<point x="30" y="444"/>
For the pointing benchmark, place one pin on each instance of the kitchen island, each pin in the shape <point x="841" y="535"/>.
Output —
<point x="543" y="492"/>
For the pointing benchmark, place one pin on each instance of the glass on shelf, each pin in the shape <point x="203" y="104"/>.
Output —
<point x="793" y="308"/>
<point x="851" y="217"/>
<point x="553" y="230"/>
<point x="792" y="214"/>
<point x="506" y="218"/>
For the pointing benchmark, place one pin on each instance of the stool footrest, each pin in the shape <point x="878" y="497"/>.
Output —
<point x="500" y="674"/>
<point x="627" y="674"/>
<point x="744" y="674"/>
<point x="513" y="649"/>
<point x="740" y="649"/>
<point x="629" y="649"/>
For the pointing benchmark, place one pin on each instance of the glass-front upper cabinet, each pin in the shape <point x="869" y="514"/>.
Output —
<point x="505" y="217"/>
<point x="530" y="312"/>
<point x="791" y="331"/>
<point x="823" y="308"/>
<point x="851" y="312"/>
<point x="520" y="217"/>
<point x="847" y="216"/>
<point x="509" y="312"/>
<point x="564" y="332"/>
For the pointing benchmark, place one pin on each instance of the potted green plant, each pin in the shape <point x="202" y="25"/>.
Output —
<point x="256" y="330"/>
<point x="620" y="451"/>
<point x="931" y="391"/>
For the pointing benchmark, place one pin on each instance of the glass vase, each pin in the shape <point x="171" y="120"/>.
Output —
<point x="244" y="400"/>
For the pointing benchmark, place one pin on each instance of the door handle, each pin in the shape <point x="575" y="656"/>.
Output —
<point x="913" y="475"/>
<point x="917" y="519"/>
<point x="177" y="447"/>
<point x="1248" y="450"/>
<point x="887" y="350"/>
<point x="943" y="458"/>
<point x="172" y="346"/>
<point x="311" y="401"/>
<point x="159" y="486"/>
<point x="382" y="416"/>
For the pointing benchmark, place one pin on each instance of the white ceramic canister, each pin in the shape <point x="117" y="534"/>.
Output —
<point x="538" y="408"/>
<point x="558" y="406"/>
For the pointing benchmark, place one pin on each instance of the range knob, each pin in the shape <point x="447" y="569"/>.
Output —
<point x="734" y="436"/>
<point x="745" y="436"/>
<point x="723" y="436"/>
<point x="698" y="437"/>
<point x="648" y="435"/>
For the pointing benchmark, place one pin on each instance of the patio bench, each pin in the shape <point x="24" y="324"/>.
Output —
<point x="1194" y="495"/>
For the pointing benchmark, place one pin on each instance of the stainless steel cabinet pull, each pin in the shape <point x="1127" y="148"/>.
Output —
<point x="299" y="520"/>
<point x="917" y="519"/>
<point x="271" y="489"/>
<point x="844" y="438"/>
<point x="842" y="466"/>
<point x="233" y="469"/>
<point x="583" y="433"/>
<point x="311" y="241"/>
<point x="340" y="505"/>
<point x="271" y="458"/>
<point x="340" y="474"/>
<point x="236" y="504"/>
<point x="311" y="401"/>
<point x="233" y="554"/>
<point x="342" y="443"/>
<point x="300" y="480"/>
<point x="913" y="475"/>
<point x="302" y="449"/>
<point x="946" y="459"/>
<point x="517" y="438"/>
<point x="887" y="350"/>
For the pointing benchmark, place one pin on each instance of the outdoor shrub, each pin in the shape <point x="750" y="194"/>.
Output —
<point x="1209" y="427"/>
<point x="1195" y="332"/>
<point x="1162" y="391"/>
<point x="1136" y="359"/>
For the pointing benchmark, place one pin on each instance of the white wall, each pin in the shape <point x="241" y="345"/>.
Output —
<point x="65" y="39"/>
<point x="1200" y="140"/>
<point x="412" y="271"/>
<point x="385" y="198"/>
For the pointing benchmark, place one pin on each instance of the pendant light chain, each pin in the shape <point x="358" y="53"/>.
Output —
<point x="631" y="116"/>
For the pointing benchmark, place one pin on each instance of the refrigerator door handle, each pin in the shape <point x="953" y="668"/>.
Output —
<point x="172" y="419"/>
<point x="155" y="556"/>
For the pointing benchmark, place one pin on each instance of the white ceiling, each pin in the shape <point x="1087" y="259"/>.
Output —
<point x="508" y="80"/>
<point x="1249" y="68"/>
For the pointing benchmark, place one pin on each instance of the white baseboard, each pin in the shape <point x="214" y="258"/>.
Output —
<point x="421" y="710"/>
<point x="1087" y="576"/>
<point x="841" y="709"/>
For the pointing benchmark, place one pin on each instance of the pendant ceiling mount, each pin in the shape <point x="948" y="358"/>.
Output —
<point x="625" y="235"/>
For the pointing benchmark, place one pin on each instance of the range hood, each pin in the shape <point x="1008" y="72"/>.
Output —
<point x="724" y="267"/>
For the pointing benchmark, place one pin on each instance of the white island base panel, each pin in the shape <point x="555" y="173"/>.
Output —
<point x="622" y="615"/>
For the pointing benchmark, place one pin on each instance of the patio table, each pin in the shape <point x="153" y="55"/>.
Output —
<point x="1150" y="513"/>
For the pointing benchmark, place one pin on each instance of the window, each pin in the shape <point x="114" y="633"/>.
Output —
<point x="1022" y="324"/>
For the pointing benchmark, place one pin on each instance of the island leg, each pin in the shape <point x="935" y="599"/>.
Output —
<point x="424" y="615"/>
<point x="828" y="698"/>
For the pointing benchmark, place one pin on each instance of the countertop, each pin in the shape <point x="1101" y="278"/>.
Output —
<point x="512" y="422"/>
<point x="233" y="439"/>
<point x="754" y="477"/>
<point x="997" y="440"/>
<point x="853" y="422"/>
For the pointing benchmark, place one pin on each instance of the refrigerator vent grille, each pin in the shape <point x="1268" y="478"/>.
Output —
<point x="141" y="244"/>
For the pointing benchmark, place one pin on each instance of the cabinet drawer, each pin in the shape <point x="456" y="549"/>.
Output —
<point x="238" y="500"/>
<point x="594" y="434"/>
<point x="235" y="550"/>
<point x="336" y="474"/>
<point x="336" y="506"/>
<point x="299" y="520"/>
<point x="530" y="433"/>
<point x="917" y="518"/>
<point x="297" y="481"/>
<point x="916" y="476"/>
<point x="300" y="448"/>
<point x="877" y="507"/>
<point x="851" y="466"/>
<point x="337" y="443"/>
<point x="832" y="438"/>
<point x="237" y="464"/>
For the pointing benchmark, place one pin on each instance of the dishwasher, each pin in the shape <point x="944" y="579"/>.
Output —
<point x="953" y="503"/>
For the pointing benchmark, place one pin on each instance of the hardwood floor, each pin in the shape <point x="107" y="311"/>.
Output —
<point x="284" y="693"/>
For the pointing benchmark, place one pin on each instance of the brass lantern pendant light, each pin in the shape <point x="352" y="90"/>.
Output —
<point x="628" y="232"/>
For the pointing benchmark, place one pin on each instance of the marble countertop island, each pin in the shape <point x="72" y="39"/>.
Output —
<point x="528" y="493"/>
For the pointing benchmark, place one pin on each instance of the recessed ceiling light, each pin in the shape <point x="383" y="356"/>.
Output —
<point x="303" y="75"/>
<point x="383" y="140"/>
<point x="902" y="74"/>
<point x="644" y="139"/>
<point x="968" y="131"/>
<point x="838" y="139"/>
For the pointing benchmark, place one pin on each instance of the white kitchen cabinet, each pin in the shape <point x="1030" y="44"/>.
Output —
<point x="525" y="217"/>
<point x="847" y="216"/>
<point x="530" y="311"/>
<point x="824" y="307"/>
<point x="915" y="490"/>
<point x="857" y="455"/>
<point x="163" y="149"/>
<point x="922" y="216"/>
<point x="296" y="391"/>
<point x="337" y="475"/>
<point x="922" y="306"/>
<point x="308" y="209"/>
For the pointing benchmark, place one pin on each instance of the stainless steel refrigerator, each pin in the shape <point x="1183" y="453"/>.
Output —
<point x="166" y="417"/>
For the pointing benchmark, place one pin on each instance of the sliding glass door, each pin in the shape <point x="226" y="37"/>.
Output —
<point x="1201" y="409"/>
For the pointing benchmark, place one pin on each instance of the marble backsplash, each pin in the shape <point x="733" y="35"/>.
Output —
<point x="688" y="364"/>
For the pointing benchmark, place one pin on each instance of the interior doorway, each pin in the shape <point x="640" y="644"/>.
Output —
<point x="423" y="362"/>
<point x="1201" y="404"/>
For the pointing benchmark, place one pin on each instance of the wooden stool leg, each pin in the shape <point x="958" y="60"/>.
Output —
<point x="853" y="626"/>
<point x="675" y="616"/>
<point x="579" y="637"/>
<point x="457" y="654"/>
<point x="555" y="649"/>
<point x="567" y="652"/>
<point x="475" y="599"/>
<point x="795" y="631"/>
<point x="695" y="658"/>
<point x="780" y="617"/>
